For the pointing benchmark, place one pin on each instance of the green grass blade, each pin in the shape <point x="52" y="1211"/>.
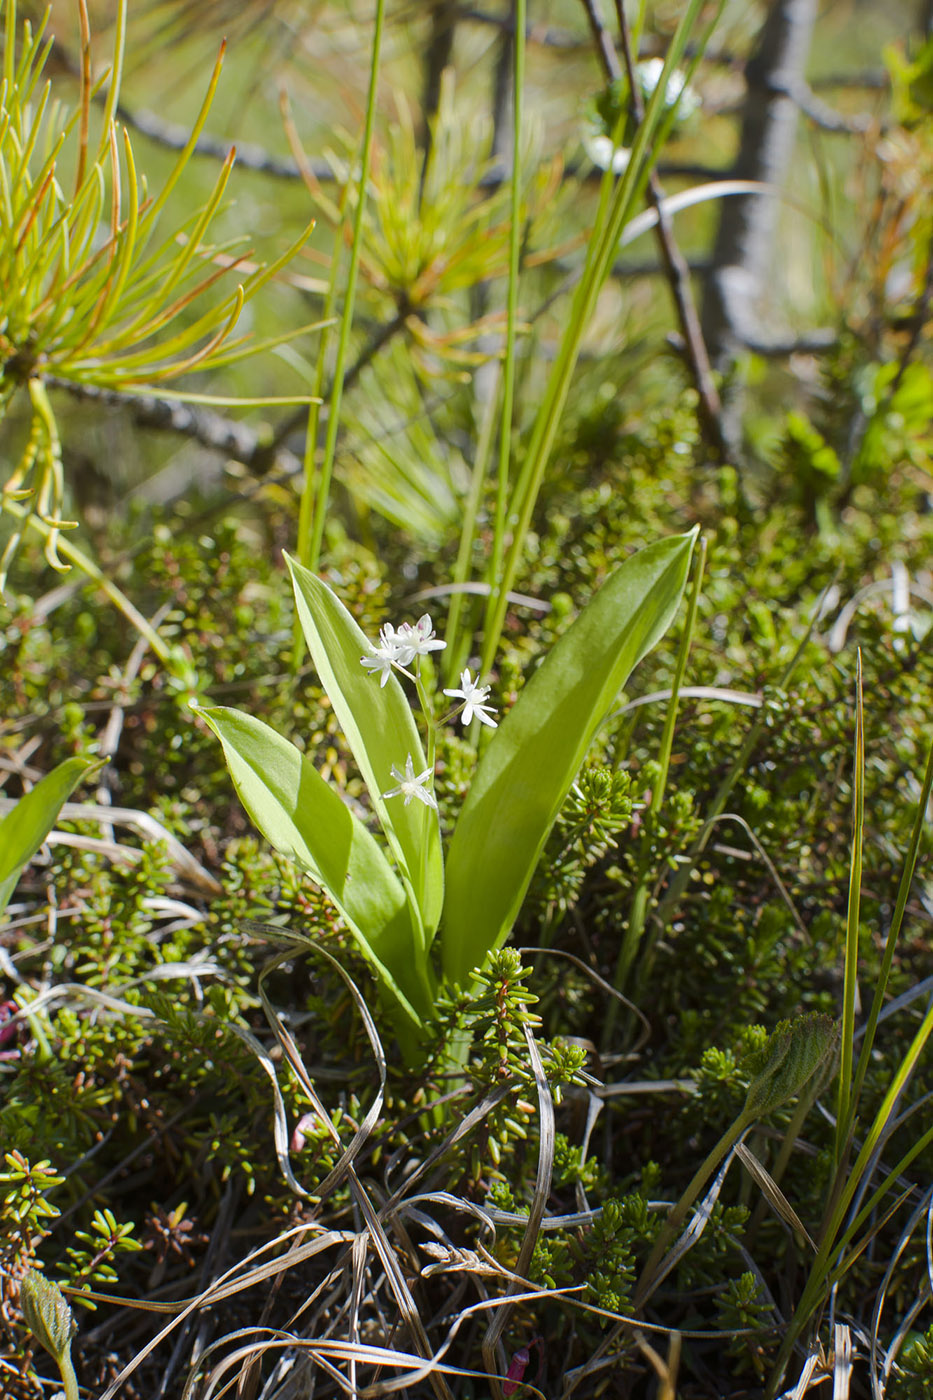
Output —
<point x="832" y="1242"/>
<point x="737" y="770"/>
<point x="897" y="918"/>
<point x="845" y="1105"/>
<point x="305" y="819"/>
<point x="23" y="830"/>
<point x="600" y="254"/>
<point x="515" y="233"/>
<point x="636" y="924"/>
<point x="526" y="772"/>
<point x="346" y="321"/>
<point x="381" y="731"/>
<point x="116" y="75"/>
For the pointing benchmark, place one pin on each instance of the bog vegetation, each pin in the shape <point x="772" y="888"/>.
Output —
<point x="465" y="695"/>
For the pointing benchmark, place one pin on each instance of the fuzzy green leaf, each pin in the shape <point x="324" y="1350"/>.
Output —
<point x="533" y="758"/>
<point x="381" y="731"/>
<point x="305" y="819"/>
<point x="23" y="830"/>
<point x="47" y="1314"/>
<point x="796" y="1051"/>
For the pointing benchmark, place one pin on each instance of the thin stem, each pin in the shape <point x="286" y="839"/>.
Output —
<point x="737" y="769"/>
<point x="636" y="924"/>
<point x="69" y="1379"/>
<point x="428" y="814"/>
<point x="333" y="420"/>
<point x="306" y="508"/>
<point x="461" y="569"/>
<point x="508" y="377"/>
<point x="845" y="1105"/>
<point x="601" y="252"/>
<point x="676" y="267"/>
<point x="76" y="556"/>
<point x="646" y="1283"/>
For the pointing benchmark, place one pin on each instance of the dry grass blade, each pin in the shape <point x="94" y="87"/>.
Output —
<point x="326" y="1353"/>
<point x="225" y="1287"/>
<point x="345" y="1167"/>
<point x="538" y="1203"/>
<point x="842" y="1361"/>
<point x="769" y="865"/>
<point x="147" y="826"/>
<point x="698" y="1223"/>
<point x="279" y="1121"/>
<point x="600" y="982"/>
<point x="924" y="1211"/>
<point x="878" y="1382"/>
<point x="463" y="1128"/>
<point x="293" y="1057"/>
<point x="666" y="1371"/>
<point x="773" y="1193"/>
<point x="797" y="1391"/>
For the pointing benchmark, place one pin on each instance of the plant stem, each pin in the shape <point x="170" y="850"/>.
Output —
<point x="454" y="656"/>
<point x="845" y="1106"/>
<point x="647" y="1282"/>
<point x="508" y="376"/>
<point x="69" y="1379"/>
<point x="601" y="252"/>
<point x="636" y="924"/>
<point x="76" y="556"/>
<point x="346" y="321"/>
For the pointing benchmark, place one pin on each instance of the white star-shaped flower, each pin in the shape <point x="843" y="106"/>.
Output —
<point x="416" y="640"/>
<point x="412" y="785"/>
<point x="400" y="647"/>
<point x="474" y="697"/>
<point x="383" y="658"/>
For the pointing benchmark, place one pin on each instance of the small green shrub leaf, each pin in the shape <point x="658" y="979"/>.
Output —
<point x="381" y="731"/>
<point x="533" y="758"/>
<point x="23" y="830"/>
<point x="305" y="819"/>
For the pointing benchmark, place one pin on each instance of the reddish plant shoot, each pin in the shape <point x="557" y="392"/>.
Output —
<point x="519" y="1364"/>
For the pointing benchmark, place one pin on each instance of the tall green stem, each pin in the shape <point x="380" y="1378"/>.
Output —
<point x="70" y="552"/>
<point x="647" y="1283"/>
<point x="600" y="254"/>
<point x="505" y="403"/>
<point x="636" y="924"/>
<point x="844" y="1103"/>
<point x="515" y="232"/>
<point x="312" y="557"/>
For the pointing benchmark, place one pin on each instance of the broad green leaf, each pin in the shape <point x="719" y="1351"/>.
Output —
<point x="23" y="829"/>
<point x="534" y="755"/>
<point x="381" y="731"/>
<point x="305" y="819"/>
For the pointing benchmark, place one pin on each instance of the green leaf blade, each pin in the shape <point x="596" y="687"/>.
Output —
<point x="305" y="819"/>
<point x="380" y="728"/>
<point x="23" y="830"/>
<point x="534" y="756"/>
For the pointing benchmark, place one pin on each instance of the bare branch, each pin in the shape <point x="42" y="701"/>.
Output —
<point x="742" y="255"/>
<point x="202" y="425"/>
